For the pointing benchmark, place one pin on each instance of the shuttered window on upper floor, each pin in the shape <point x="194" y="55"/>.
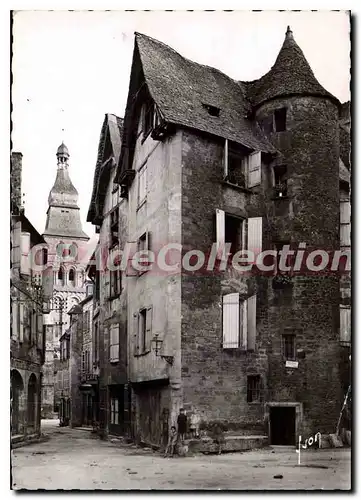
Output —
<point x="345" y="223"/>
<point x="242" y="234"/>
<point x="239" y="322"/>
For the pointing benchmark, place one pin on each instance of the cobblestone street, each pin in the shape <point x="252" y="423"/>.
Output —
<point x="75" y="459"/>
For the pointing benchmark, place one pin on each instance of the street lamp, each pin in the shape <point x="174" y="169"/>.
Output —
<point x="157" y="345"/>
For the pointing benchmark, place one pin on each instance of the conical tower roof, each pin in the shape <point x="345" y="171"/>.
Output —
<point x="290" y="75"/>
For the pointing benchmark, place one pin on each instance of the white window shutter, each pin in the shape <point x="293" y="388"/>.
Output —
<point x="136" y="333"/>
<point x="220" y="232"/>
<point x="243" y="324"/>
<point x="231" y="321"/>
<point x="25" y="250"/>
<point x="345" y="212"/>
<point x="254" y="169"/>
<point x="345" y="324"/>
<point x="251" y="322"/>
<point x="254" y="235"/>
<point x="148" y="332"/>
<point x="116" y="342"/>
<point x="345" y="234"/>
<point x="225" y="159"/>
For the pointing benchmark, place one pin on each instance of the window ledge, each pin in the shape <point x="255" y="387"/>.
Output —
<point x="239" y="188"/>
<point x="114" y="361"/>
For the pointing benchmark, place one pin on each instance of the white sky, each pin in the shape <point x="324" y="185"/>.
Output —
<point x="70" y="68"/>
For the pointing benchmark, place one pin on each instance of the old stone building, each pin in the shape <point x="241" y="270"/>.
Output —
<point x="256" y="165"/>
<point x="29" y="294"/>
<point x="109" y="212"/>
<point x="67" y="246"/>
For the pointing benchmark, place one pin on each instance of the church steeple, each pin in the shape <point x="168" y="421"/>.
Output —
<point x="63" y="193"/>
<point x="63" y="217"/>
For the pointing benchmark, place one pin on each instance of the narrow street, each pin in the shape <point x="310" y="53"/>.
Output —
<point x="75" y="459"/>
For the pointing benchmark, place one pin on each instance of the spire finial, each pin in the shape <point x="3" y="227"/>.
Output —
<point x="289" y="33"/>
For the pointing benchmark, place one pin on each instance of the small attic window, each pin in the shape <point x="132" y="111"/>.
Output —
<point x="280" y="119"/>
<point x="148" y="118"/>
<point x="212" y="110"/>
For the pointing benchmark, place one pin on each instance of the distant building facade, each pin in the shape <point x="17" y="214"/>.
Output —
<point x="67" y="245"/>
<point x="30" y="292"/>
<point x="108" y="212"/>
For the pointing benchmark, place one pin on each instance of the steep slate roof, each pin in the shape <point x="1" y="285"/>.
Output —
<point x="114" y="125"/>
<point x="180" y="87"/>
<point x="290" y="75"/>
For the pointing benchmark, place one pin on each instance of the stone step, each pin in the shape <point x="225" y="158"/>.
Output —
<point x="231" y="443"/>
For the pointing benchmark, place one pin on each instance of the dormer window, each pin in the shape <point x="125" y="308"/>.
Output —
<point x="212" y="110"/>
<point x="148" y="118"/>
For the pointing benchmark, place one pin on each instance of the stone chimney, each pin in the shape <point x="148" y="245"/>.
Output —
<point x="15" y="181"/>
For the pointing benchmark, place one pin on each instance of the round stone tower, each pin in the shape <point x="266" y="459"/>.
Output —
<point x="301" y="119"/>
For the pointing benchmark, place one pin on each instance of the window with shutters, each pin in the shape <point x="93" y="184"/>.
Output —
<point x="234" y="165"/>
<point x="239" y="322"/>
<point x="253" y="169"/>
<point x="142" y="185"/>
<point x="345" y="325"/>
<point x="289" y="346"/>
<point x="144" y="331"/>
<point x="254" y="389"/>
<point x="114" y="411"/>
<point x="114" y="343"/>
<point x="234" y="233"/>
<point x="345" y="223"/>
<point x="242" y="234"/>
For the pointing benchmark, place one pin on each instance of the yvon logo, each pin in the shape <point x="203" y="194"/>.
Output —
<point x="308" y="442"/>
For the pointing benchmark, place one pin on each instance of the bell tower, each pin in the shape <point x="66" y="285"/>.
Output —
<point x="67" y="250"/>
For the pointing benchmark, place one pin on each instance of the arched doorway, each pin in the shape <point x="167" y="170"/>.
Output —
<point x="17" y="393"/>
<point x="32" y="402"/>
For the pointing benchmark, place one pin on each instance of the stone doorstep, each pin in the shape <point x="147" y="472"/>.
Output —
<point x="230" y="444"/>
